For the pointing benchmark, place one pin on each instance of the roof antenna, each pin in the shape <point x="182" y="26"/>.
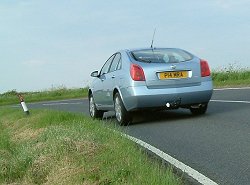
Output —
<point x="152" y="43"/>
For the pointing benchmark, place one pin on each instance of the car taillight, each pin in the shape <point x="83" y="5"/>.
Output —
<point x="137" y="73"/>
<point x="205" y="71"/>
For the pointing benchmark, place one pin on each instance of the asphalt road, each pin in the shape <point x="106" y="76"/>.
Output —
<point x="216" y="144"/>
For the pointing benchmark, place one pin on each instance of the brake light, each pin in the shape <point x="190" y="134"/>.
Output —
<point x="137" y="73"/>
<point x="205" y="71"/>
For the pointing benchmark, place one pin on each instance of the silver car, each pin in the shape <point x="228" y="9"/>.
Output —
<point x="152" y="78"/>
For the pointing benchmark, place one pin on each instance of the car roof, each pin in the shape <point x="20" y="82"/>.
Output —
<point x="138" y="49"/>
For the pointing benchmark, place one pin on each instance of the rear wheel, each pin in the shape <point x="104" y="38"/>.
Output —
<point x="199" y="109"/>
<point x="123" y="117"/>
<point x="93" y="112"/>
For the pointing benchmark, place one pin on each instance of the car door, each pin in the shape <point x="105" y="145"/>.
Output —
<point x="111" y="79"/>
<point x="104" y="83"/>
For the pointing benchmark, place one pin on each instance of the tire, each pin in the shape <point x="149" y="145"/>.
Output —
<point x="123" y="117"/>
<point x="199" y="110"/>
<point x="93" y="112"/>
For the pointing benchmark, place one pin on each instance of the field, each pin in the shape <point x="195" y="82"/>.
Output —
<point x="50" y="147"/>
<point x="59" y="93"/>
<point x="231" y="77"/>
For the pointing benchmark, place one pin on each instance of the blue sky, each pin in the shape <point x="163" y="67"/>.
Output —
<point x="46" y="43"/>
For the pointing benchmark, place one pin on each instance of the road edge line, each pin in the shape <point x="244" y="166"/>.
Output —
<point x="232" y="88"/>
<point x="230" y="101"/>
<point x="183" y="167"/>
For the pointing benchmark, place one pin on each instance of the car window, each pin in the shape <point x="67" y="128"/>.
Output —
<point x="115" y="63"/>
<point x="106" y="66"/>
<point x="119" y="66"/>
<point x="161" y="55"/>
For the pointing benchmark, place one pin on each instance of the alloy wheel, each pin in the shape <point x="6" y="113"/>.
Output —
<point x="118" y="109"/>
<point x="91" y="107"/>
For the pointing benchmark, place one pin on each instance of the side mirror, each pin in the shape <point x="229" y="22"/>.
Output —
<point x="95" y="74"/>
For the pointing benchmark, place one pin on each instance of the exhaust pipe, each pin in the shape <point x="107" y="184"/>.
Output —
<point x="197" y="106"/>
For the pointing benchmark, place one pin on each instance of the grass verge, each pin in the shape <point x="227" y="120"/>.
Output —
<point x="50" y="147"/>
<point x="231" y="78"/>
<point x="61" y="93"/>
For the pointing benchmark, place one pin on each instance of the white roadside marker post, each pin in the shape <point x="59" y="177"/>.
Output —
<point x="24" y="106"/>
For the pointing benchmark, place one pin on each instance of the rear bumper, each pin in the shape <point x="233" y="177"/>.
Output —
<point x="141" y="97"/>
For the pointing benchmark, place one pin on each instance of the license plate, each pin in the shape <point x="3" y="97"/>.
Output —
<point x="175" y="74"/>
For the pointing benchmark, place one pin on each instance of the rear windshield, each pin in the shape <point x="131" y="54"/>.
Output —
<point x="161" y="55"/>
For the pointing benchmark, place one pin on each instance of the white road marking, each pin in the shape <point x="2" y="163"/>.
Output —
<point x="230" y="101"/>
<point x="232" y="88"/>
<point x="58" y="101"/>
<point x="186" y="169"/>
<point x="51" y="104"/>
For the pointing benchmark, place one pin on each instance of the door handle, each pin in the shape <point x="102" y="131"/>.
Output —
<point x="113" y="76"/>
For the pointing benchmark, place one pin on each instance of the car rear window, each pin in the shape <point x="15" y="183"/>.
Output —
<point x="161" y="55"/>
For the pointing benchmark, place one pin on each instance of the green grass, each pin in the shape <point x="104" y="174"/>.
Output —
<point x="63" y="148"/>
<point x="61" y="93"/>
<point x="231" y="78"/>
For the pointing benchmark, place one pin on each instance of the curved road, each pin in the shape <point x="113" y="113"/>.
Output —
<point x="216" y="144"/>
